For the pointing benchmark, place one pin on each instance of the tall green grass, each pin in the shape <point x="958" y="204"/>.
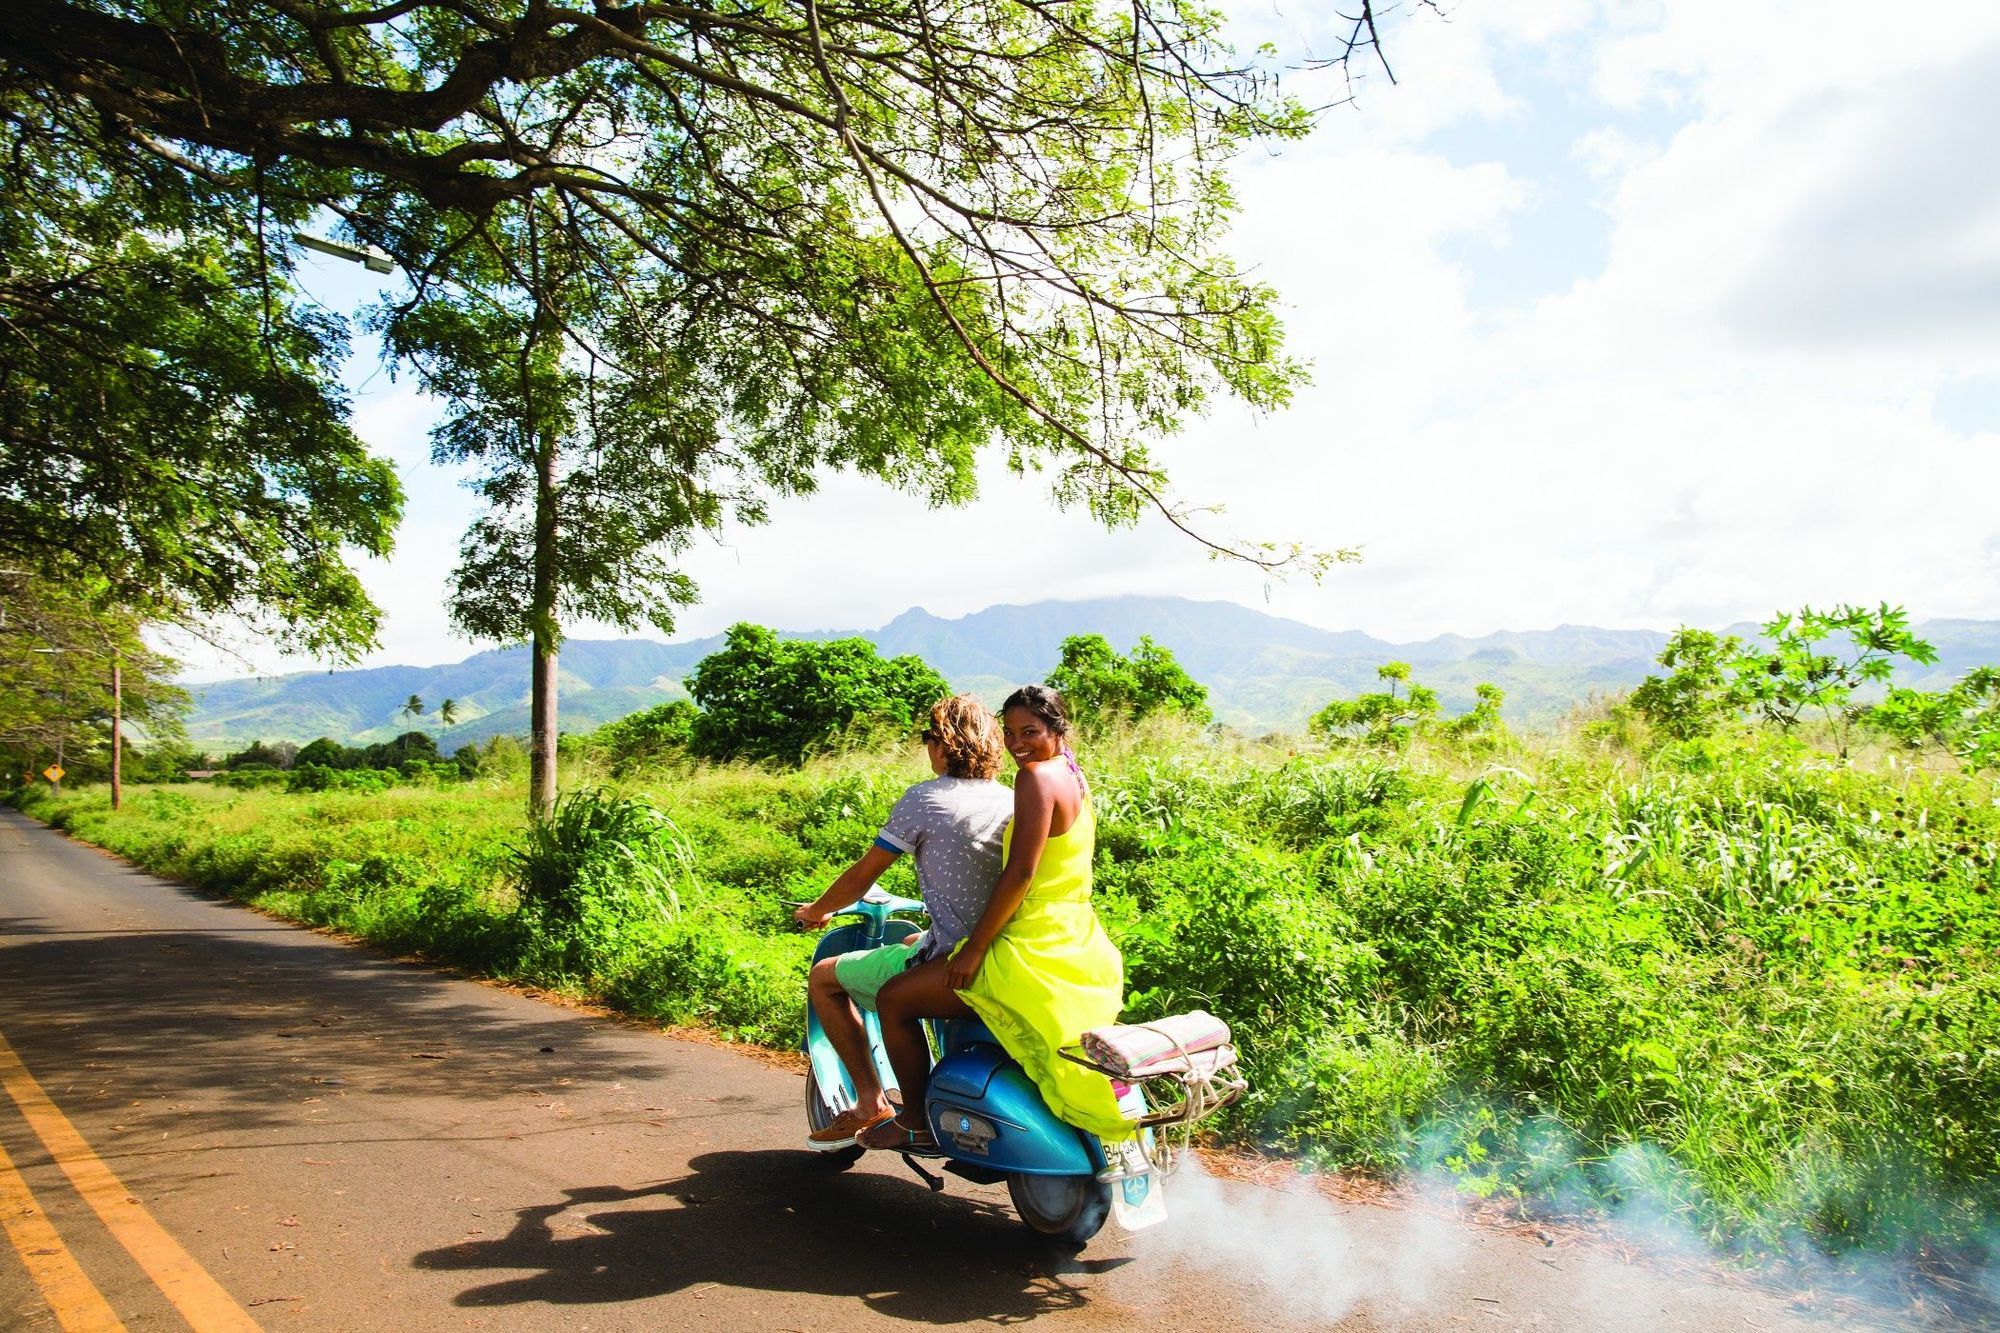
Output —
<point x="1749" y="988"/>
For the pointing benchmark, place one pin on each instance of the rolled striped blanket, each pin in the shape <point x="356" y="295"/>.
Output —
<point x="1141" y="1050"/>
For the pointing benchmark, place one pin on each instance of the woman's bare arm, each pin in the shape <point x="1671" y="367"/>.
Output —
<point x="1034" y="812"/>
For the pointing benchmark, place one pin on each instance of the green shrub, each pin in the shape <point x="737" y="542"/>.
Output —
<point x="763" y="697"/>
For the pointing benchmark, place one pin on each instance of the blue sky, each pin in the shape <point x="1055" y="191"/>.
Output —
<point x="1623" y="313"/>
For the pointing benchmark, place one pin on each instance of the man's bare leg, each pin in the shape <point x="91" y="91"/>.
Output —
<point x="841" y="1022"/>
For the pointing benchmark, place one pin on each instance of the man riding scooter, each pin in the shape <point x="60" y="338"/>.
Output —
<point x="953" y="824"/>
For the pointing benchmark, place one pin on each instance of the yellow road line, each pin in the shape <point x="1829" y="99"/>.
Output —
<point x="78" y="1305"/>
<point x="199" y="1297"/>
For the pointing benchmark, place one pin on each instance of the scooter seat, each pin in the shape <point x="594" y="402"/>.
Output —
<point x="962" y="1032"/>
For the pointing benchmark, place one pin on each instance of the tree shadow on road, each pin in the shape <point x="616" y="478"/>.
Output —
<point x="783" y="1221"/>
<point x="238" y="1029"/>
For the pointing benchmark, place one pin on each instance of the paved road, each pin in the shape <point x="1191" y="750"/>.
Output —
<point x="215" y="1120"/>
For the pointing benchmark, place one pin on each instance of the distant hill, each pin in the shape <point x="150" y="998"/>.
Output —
<point x="1264" y="672"/>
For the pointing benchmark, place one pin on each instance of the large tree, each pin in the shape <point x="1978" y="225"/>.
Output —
<point x="1101" y="687"/>
<point x="669" y="259"/>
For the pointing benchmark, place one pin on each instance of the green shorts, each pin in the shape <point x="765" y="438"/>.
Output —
<point x="863" y="973"/>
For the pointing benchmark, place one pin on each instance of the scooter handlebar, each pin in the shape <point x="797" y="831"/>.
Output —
<point x="876" y="903"/>
<point x="881" y="900"/>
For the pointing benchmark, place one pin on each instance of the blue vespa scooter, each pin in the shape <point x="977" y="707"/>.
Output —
<point x="989" y="1120"/>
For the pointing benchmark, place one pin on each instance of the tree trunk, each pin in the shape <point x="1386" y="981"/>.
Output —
<point x="542" y="617"/>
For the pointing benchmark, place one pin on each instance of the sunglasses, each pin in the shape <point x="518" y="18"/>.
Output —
<point x="930" y="737"/>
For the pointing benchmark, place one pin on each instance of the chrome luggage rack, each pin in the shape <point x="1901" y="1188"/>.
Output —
<point x="1194" y="1092"/>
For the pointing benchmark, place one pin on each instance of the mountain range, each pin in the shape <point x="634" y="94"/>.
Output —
<point x="1264" y="672"/>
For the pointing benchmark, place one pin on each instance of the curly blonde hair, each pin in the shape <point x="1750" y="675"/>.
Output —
<point x="969" y="736"/>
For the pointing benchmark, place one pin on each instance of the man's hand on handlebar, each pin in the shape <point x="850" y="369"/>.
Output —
<point x="812" y="916"/>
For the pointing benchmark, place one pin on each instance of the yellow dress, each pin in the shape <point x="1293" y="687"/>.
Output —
<point x="1051" y="975"/>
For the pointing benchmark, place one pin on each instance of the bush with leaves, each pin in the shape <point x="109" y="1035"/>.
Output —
<point x="1963" y="721"/>
<point x="1482" y="721"/>
<point x="1814" y="661"/>
<point x="1102" y="687"/>
<point x="1698" y="695"/>
<point x="596" y="867"/>
<point x="646" y="737"/>
<point x="763" y="697"/>
<point x="1382" y="718"/>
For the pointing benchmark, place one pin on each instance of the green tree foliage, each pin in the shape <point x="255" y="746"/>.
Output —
<point x="326" y="752"/>
<point x="763" y="697"/>
<point x="1482" y="720"/>
<point x="57" y="650"/>
<point x="1387" y="717"/>
<point x="413" y="707"/>
<point x="1963" y="721"/>
<point x="329" y="753"/>
<point x="1100" y="687"/>
<point x="448" y="713"/>
<point x="667" y="262"/>
<point x="256" y="754"/>
<point x="164" y="759"/>
<point x="1817" y="659"/>
<point x="1699" y="695"/>
<point x="1809" y="663"/>
<point x="170" y="425"/>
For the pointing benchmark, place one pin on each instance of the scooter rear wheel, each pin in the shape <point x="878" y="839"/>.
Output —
<point x="1070" y="1208"/>
<point x="837" y="1159"/>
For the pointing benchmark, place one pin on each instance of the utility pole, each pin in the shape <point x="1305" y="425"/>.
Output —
<point x="117" y="723"/>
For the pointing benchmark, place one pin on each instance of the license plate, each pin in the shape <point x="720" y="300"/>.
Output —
<point x="1138" y="1202"/>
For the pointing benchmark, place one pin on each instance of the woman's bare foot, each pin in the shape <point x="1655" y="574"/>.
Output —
<point x="894" y="1135"/>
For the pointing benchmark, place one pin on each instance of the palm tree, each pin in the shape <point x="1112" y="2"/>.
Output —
<point x="414" y="706"/>
<point x="448" y="712"/>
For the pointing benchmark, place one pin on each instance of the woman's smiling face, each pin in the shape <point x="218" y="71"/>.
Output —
<point x="1029" y="738"/>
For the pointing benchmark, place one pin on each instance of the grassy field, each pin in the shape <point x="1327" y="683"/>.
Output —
<point x="1749" y="992"/>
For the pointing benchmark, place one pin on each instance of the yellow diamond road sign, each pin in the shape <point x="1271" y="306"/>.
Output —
<point x="54" y="772"/>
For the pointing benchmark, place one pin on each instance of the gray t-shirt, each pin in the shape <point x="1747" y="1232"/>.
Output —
<point x="953" y="826"/>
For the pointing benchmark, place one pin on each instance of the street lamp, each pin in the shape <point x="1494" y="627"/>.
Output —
<point x="378" y="260"/>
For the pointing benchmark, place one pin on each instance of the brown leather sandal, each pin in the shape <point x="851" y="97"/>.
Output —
<point x="842" y="1129"/>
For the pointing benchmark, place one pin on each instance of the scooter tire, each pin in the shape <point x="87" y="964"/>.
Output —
<point x="833" y="1159"/>
<point x="1070" y="1209"/>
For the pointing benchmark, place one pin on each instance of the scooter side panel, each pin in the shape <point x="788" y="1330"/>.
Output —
<point x="984" y="1109"/>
